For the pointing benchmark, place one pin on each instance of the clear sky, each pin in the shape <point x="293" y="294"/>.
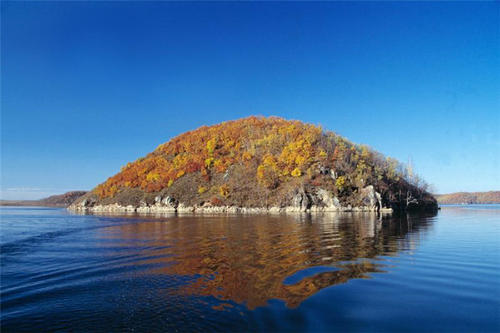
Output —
<point x="90" y="86"/>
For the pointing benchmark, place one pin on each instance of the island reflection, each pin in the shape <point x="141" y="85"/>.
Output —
<point x="252" y="259"/>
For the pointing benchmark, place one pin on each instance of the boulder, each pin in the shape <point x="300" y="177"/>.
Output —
<point x="170" y="202"/>
<point x="370" y="198"/>
<point x="326" y="200"/>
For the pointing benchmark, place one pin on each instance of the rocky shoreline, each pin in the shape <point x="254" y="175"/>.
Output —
<point x="116" y="208"/>
<point x="302" y="202"/>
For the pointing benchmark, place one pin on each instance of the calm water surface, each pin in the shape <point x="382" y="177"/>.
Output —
<point x="61" y="271"/>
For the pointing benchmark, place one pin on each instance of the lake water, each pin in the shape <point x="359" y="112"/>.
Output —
<point x="347" y="272"/>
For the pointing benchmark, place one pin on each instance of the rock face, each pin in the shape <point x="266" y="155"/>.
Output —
<point x="88" y="202"/>
<point x="320" y="200"/>
<point x="328" y="201"/>
<point x="370" y="198"/>
<point x="300" y="200"/>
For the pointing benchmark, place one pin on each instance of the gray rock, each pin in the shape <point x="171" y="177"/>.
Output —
<point x="301" y="200"/>
<point x="88" y="202"/>
<point x="170" y="202"/>
<point x="370" y="198"/>
<point x="324" y="170"/>
<point x="327" y="200"/>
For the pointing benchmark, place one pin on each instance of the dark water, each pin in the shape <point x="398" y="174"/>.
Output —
<point x="256" y="273"/>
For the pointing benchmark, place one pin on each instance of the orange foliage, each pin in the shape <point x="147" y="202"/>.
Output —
<point x="216" y="201"/>
<point x="273" y="149"/>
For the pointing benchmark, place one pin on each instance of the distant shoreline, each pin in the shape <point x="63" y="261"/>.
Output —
<point x="61" y="200"/>
<point x="468" y="198"/>
<point x="28" y="203"/>
<point x="466" y="204"/>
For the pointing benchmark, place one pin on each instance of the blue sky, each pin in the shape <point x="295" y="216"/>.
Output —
<point x="90" y="86"/>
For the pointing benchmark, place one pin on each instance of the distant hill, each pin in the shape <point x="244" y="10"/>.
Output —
<point x="61" y="200"/>
<point x="491" y="197"/>
<point x="263" y="164"/>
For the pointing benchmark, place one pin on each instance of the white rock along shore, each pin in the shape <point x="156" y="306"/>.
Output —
<point x="116" y="208"/>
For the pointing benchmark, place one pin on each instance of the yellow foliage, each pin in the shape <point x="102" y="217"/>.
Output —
<point x="202" y="189"/>
<point x="296" y="172"/>
<point x="208" y="162"/>
<point x="211" y="144"/>
<point x="152" y="176"/>
<point x="269" y="160"/>
<point x="219" y="165"/>
<point x="224" y="190"/>
<point x="112" y="190"/>
<point x="300" y="160"/>
<point x="340" y="182"/>
<point x="268" y="171"/>
<point x="247" y="156"/>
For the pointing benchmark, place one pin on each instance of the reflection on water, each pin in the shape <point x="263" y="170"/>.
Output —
<point x="253" y="259"/>
<point x="344" y="272"/>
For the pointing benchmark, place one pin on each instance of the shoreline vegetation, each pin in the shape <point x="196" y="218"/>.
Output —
<point x="260" y="165"/>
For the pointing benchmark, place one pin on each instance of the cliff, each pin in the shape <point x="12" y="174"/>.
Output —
<point x="260" y="164"/>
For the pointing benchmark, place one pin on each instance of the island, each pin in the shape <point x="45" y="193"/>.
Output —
<point x="256" y="165"/>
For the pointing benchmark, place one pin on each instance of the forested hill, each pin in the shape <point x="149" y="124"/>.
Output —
<point x="491" y="197"/>
<point x="262" y="162"/>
